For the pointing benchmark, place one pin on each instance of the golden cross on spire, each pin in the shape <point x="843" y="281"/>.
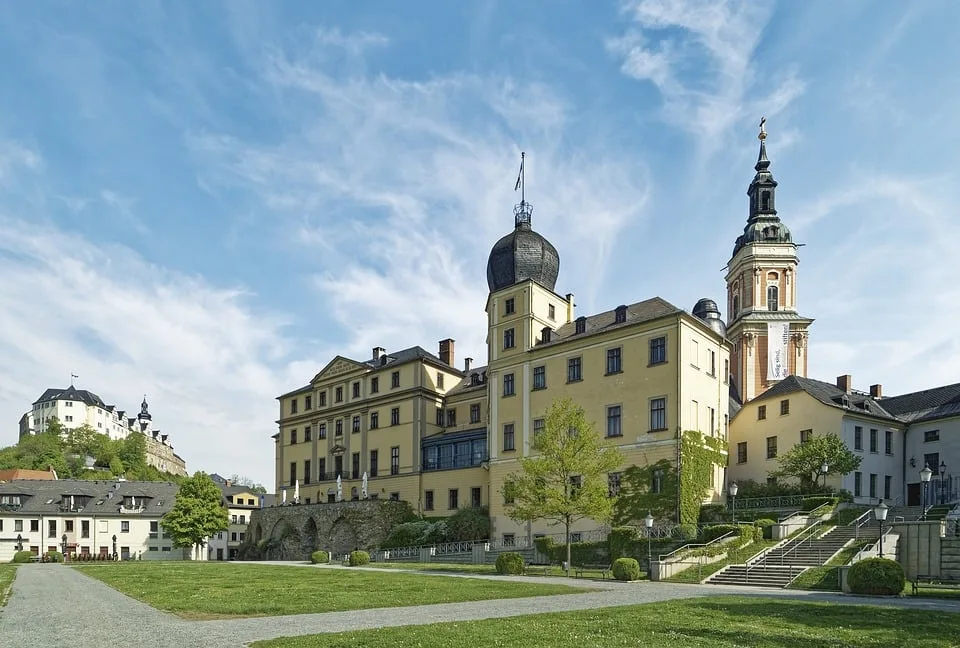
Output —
<point x="763" y="133"/>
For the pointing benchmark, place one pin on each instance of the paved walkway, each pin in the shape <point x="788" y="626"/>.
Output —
<point x="54" y="605"/>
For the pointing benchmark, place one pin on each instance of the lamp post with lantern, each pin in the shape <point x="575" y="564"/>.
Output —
<point x="881" y="514"/>
<point x="734" y="489"/>
<point x="943" y="476"/>
<point x="925" y="476"/>
<point x="824" y="469"/>
<point x="648" y="523"/>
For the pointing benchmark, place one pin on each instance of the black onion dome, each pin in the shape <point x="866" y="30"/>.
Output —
<point x="706" y="310"/>
<point x="520" y="255"/>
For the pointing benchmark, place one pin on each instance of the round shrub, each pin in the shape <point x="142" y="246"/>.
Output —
<point x="766" y="526"/>
<point x="22" y="557"/>
<point x="876" y="576"/>
<point x="359" y="558"/>
<point x="686" y="532"/>
<point x="54" y="556"/>
<point x="626" y="569"/>
<point x="509" y="562"/>
<point x="319" y="557"/>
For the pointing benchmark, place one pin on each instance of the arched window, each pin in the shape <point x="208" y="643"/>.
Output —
<point x="736" y="305"/>
<point x="773" y="294"/>
<point x="764" y="200"/>
<point x="772" y="276"/>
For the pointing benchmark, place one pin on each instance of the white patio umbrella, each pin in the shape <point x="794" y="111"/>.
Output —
<point x="284" y="500"/>
<point x="363" y="486"/>
<point x="339" y="489"/>
<point x="296" y="491"/>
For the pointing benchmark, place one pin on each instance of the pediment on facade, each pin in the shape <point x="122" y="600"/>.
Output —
<point x="338" y="367"/>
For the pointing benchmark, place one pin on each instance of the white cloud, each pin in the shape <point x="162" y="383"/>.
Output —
<point x="210" y="364"/>
<point x="400" y="189"/>
<point x="699" y="55"/>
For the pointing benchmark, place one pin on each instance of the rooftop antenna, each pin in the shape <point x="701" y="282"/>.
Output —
<point x="524" y="211"/>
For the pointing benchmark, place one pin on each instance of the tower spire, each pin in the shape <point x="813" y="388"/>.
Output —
<point x="763" y="162"/>
<point x="523" y="212"/>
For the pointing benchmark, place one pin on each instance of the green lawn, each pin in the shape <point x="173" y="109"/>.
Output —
<point x="7" y="574"/>
<point x="827" y="578"/>
<point x="481" y="569"/>
<point x="204" y="590"/>
<point x="712" y="622"/>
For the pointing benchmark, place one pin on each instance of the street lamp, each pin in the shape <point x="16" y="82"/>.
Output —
<point x="925" y="476"/>
<point x="943" y="474"/>
<point x="648" y="522"/>
<point x="733" y="493"/>
<point x="114" y="546"/>
<point x="64" y="552"/>
<point x="881" y="514"/>
<point x="824" y="468"/>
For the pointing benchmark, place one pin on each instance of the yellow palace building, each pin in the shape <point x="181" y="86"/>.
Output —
<point x="444" y="436"/>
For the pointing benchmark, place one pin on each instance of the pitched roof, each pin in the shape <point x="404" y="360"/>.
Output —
<point x="10" y="474"/>
<point x="44" y="496"/>
<point x="829" y="394"/>
<point x="466" y="383"/>
<point x="939" y="402"/>
<point x="643" y="311"/>
<point x="70" y="393"/>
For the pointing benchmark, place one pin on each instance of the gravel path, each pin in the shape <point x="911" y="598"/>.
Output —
<point x="53" y="605"/>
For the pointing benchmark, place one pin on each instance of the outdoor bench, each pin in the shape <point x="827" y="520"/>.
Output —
<point x="604" y="570"/>
<point x="933" y="582"/>
<point x="537" y="568"/>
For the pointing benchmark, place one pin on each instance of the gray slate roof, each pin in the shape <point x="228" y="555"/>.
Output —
<point x="939" y="402"/>
<point x="644" y="311"/>
<point x="71" y="393"/>
<point x="829" y="394"/>
<point x="105" y="495"/>
<point x="465" y="383"/>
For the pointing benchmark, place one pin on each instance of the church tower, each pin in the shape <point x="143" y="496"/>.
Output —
<point x="769" y="335"/>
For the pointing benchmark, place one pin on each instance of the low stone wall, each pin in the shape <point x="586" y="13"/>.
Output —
<point x="296" y="531"/>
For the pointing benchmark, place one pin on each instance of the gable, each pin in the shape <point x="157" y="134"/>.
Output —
<point x="337" y="367"/>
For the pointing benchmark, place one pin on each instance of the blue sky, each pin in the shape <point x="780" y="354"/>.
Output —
<point x="204" y="202"/>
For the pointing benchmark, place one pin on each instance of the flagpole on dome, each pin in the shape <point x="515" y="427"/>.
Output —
<point x="524" y="211"/>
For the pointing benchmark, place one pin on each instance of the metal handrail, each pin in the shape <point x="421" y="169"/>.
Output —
<point x="860" y="522"/>
<point x="816" y="526"/>
<point x="663" y="557"/>
<point x="761" y="560"/>
<point x="807" y="513"/>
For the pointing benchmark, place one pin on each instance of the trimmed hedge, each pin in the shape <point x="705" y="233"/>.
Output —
<point x="509" y="562"/>
<point x="811" y="503"/>
<point x="621" y="541"/>
<point x="319" y="557"/>
<point x="54" y="556"/>
<point x="876" y="576"/>
<point x="581" y="553"/>
<point x="359" y="558"/>
<point x="22" y="557"/>
<point x="626" y="569"/>
<point x="711" y="533"/>
<point x="766" y="527"/>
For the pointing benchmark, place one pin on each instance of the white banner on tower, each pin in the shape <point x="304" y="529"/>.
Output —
<point x="778" y="362"/>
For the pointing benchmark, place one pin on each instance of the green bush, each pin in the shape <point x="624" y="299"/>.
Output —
<point x="750" y="488"/>
<point x="711" y="533"/>
<point x="509" y="562"/>
<point x="581" y="553"/>
<point x="620" y="542"/>
<point x="417" y="534"/>
<point x="876" y="576"/>
<point x="54" y="556"/>
<point x="22" y="557"/>
<point x="319" y="557"/>
<point x="359" y="558"/>
<point x="766" y="527"/>
<point x="468" y="524"/>
<point x="686" y="532"/>
<point x="811" y="503"/>
<point x="626" y="569"/>
<point x="713" y="514"/>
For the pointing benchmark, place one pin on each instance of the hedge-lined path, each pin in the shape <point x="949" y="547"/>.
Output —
<point x="54" y="605"/>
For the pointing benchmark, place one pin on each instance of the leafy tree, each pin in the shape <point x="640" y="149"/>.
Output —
<point x="566" y="480"/>
<point x="255" y="487"/>
<point x="805" y="460"/>
<point x="197" y="513"/>
<point x="133" y="454"/>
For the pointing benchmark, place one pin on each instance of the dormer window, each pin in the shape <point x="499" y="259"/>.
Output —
<point x="620" y="315"/>
<point x="581" y="325"/>
<point x="474" y="379"/>
<point x="545" y="334"/>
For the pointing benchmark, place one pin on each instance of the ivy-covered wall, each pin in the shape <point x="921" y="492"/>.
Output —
<point x="676" y="494"/>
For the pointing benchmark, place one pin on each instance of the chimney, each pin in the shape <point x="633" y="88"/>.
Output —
<point x="377" y="352"/>
<point x="876" y="391"/>
<point x="226" y="482"/>
<point x="845" y="382"/>
<point x="466" y="364"/>
<point x="570" y="307"/>
<point x="446" y="351"/>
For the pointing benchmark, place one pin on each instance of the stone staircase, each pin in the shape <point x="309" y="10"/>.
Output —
<point x="780" y="565"/>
